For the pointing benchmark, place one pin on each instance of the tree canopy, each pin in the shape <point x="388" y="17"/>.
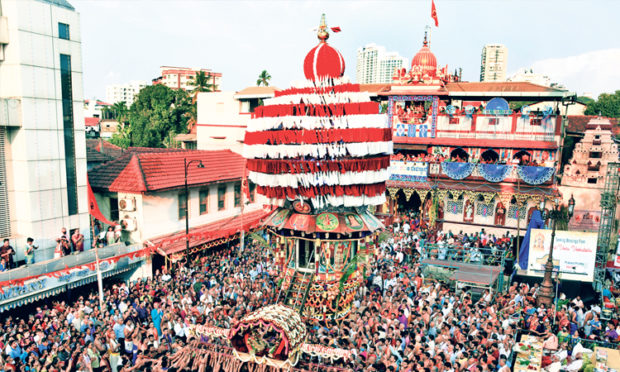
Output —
<point x="263" y="79"/>
<point x="157" y="114"/>
<point x="608" y="105"/>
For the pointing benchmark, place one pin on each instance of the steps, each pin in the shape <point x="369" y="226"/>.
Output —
<point x="298" y="290"/>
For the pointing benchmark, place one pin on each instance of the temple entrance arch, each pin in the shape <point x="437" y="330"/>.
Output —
<point x="413" y="204"/>
<point x="458" y="154"/>
<point x="490" y="156"/>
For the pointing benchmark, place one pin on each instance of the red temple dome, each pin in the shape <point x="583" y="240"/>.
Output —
<point x="425" y="60"/>
<point x="323" y="61"/>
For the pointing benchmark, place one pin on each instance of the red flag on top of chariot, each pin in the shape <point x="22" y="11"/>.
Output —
<point x="434" y="13"/>
<point x="336" y="29"/>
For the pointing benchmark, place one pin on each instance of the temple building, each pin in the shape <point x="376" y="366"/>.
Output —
<point x="584" y="175"/>
<point x="462" y="156"/>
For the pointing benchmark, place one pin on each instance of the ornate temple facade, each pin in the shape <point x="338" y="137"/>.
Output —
<point x="584" y="175"/>
<point x="462" y="156"/>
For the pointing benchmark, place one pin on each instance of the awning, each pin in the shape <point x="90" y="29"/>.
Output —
<point x="199" y="235"/>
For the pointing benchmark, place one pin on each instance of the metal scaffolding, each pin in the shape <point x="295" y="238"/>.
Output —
<point x="609" y="201"/>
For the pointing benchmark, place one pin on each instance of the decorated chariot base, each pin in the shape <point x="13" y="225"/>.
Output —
<point x="273" y="335"/>
<point x="322" y="257"/>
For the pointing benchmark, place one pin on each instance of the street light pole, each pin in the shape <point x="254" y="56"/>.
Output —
<point x="546" y="295"/>
<point x="186" y="166"/>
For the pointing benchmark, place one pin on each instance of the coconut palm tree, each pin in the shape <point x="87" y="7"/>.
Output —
<point x="120" y="111"/>
<point x="201" y="84"/>
<point x="263" y="79"/>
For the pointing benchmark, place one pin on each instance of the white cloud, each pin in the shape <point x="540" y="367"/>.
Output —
<point x="592" y="72"/>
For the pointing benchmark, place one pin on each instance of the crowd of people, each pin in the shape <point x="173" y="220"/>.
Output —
<point x="66" y="244"/>
<point x="400" y="320"/>
<point x="464" y="158"/>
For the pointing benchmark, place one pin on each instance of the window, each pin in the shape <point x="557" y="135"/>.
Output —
<point x="221" y="197"/>
<point x="595" y="155"/>
<point x="238" y="194"/>
<point x="592" y="181"/>
<point x="114" y="209"/>
<point x="252" y="191"/>
<point x="536" y="122"/>
<point x="493" y="121"/>
<point x="63" y="31"/>
<point x="203" y="195"/>
<point x="182" y="206"/>
<point x="66" y="89"/>
<point x="454" y="120"/>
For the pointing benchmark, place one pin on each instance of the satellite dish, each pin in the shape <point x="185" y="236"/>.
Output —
<point x="498" y="105"/>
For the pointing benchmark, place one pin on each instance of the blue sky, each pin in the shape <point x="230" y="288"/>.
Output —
<point x="574" y="42"/>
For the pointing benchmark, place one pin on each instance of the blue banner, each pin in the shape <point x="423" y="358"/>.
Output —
<point x="494" y="172"/>
<point x="457" y="171"/>
<point x="535" y="223"/>
<point x="535" y="175"/>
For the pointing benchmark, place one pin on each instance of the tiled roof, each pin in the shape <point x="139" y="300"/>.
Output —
<point x="578" y="123"/>
<point x="374" y="88"/>
<point x="257" y="91"/>
<point x="142" y="170"/>
<point x="173" y="243"/>
<point x="108" y="149"/>
<point x="503" y="86"/>
<point x="91" y="122"/>
<point x="94" y="156"/>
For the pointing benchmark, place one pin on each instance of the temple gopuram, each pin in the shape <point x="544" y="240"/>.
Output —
<point x="463" y="156"/>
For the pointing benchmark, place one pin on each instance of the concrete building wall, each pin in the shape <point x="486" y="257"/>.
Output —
<point x="34" y="153"/>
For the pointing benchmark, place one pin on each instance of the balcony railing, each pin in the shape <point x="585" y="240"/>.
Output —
<point x="412" y="171"/>
<point x="73" y="260"/>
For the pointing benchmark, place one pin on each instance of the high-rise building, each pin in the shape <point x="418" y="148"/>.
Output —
<point x="529" y="76"/>
<point x="124" y="92"/>
<point x="376" y="66"/>
<point x="183" y="77"/>
<point x="494" y="62"/>
<point x="42" y="144"/>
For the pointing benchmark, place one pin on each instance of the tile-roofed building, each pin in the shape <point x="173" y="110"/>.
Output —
<point x="576" y="124"/>
<point x="256" y="92"/>
<point x="142" y="170"/>
<point x="144" y="190"/>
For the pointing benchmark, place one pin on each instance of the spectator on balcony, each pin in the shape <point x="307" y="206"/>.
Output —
<point x="3" y="265"/>
<point x="29" y="252"/>
<point x="78" y="241"/>
<point x="110" y="236"/>
<point x="7" y="252"/>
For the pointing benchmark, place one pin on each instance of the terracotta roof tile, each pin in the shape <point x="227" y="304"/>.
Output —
<point x="175" y="242"/>
<point x="503" y="86"/>
<point x="108" y="148"/>
<point x="255" y="91"/>
<point x="578" y="123"/>
<point x="142" y="170"/>
<point x="91" y="122"/>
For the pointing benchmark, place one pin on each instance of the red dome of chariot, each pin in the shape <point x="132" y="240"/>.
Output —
<point x="425" y="60"/>
<point x="323" y="62"/>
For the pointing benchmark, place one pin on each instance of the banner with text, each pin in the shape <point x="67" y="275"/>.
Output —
<point x="408" y="171"/>
<point x="574" y="254"/>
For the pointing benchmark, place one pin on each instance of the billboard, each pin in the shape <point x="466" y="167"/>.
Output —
<point x="409" y="171"/>
<point x="574" y="253"/>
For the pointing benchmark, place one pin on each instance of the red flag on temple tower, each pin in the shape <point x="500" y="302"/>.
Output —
<point x="434" y="13"/>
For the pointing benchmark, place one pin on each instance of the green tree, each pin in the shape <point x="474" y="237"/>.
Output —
<point x="585" y="100"/>
<point x="263" y="79"/>
<point x="607" y="105"/>
<point x="122" y="137"/>
<point x="120" y="111"/>
<point x="157" y="113"/>
<point x="201" y="84"/>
